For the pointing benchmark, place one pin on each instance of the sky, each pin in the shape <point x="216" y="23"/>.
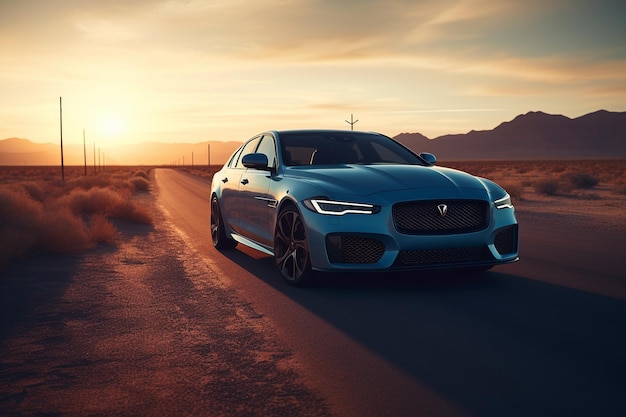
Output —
<point x="196" y="70"/>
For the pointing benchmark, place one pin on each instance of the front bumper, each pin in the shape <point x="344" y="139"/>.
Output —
<point x="357" y="242"/>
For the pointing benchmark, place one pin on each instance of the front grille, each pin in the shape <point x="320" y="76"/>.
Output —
<point x="354" y="249"/>
<point x="425" y="217"/>
<point x="443" y="256"/>
<point x="506" y="240"/>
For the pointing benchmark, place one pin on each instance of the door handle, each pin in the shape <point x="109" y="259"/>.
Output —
<point x="244" y="181"/>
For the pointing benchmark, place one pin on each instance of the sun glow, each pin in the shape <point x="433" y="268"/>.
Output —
<point x="112" y="126"/>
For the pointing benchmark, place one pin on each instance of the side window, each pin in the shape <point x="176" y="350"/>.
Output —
<point x="249" y="147"/>
<point x="267" y="147"/>
<point x="233" y="159"/>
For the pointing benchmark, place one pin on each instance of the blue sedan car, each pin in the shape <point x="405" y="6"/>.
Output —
<point x="335" y="200"/>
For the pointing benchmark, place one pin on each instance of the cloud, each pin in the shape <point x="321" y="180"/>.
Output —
<point x="220" y="62"/>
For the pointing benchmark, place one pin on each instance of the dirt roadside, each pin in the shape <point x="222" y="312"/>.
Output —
<point x="139" y="329"/>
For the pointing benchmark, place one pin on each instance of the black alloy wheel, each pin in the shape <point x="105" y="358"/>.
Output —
<point x="291" y="249"/>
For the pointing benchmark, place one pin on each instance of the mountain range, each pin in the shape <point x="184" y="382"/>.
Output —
<point x="534" y="135"/>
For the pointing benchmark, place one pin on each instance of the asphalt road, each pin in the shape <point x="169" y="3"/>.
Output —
<point x="543" y="337"/>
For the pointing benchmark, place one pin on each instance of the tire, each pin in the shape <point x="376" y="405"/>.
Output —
<point x="291" y="248"/>
<point x="218" y="235"/>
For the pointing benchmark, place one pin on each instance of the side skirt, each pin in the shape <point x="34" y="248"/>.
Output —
<point x="252" y="244"/>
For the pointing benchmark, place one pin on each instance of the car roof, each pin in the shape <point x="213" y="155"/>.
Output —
<point x="343" y="131"/>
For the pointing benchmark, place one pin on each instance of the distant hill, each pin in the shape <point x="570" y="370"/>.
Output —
<point x="534" y="135"/>
<point x="16" y="151"/>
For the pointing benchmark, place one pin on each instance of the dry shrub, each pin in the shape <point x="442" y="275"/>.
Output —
<point x="39" y="211"/>
<point x="21" y="218"/>
<point x="36" y="190"/>
<point x="558" y="168"/>
<point x="102" y="230"/>
<point x="514" y="188"/>
<point x="19" y="209"/>
<point x="548" y="186"/>
<point x="106" y="202"/>
<point x="94" y="201"/>
<point x="139" y="184"/>
<point x="131" y="212"/>
<point x="89" y="182"/>
<point x="140" y="173"/>
<point x="64" y="232"/>
<point x="582" y="180"/>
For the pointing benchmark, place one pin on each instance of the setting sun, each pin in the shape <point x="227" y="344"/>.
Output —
<point x="112" y="126"/>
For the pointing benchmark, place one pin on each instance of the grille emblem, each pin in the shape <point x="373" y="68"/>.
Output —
<point x="443" y="210"/>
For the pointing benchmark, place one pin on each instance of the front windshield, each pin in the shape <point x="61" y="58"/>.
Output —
<point x="327" y="148"/>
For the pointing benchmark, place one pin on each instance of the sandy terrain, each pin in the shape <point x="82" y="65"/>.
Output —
<point x="600" y="208"/>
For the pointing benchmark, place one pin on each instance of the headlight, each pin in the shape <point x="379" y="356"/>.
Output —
<point x="339" y="208"/>
<point x="504" y="202"/>
<point x="501" y="198"/>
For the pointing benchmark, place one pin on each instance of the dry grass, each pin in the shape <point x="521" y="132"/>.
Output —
<point x="39" y="212"/>
<point x="582" y="193"/>
<point x="552" y="178"/>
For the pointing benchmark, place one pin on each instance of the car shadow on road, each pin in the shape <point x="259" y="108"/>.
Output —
<point x="496" y="343"/>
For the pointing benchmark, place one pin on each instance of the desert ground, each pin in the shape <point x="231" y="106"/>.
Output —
<point x="584" y="194"/>
<point x="97" y="301"/>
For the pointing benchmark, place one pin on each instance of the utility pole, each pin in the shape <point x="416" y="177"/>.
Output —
<point x="84" y="151"/>
<point x="94" y="157"/>
<point x="352" y="122"/>
<point x="61" y="127"/>
<point x="209" y="153"/>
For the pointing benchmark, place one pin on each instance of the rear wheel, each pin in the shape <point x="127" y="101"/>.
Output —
<point x="218" y="235"/>
<point x="291" y="248"/>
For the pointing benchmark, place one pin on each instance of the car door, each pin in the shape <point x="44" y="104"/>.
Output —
<point x="257" y="206"/>
<point x="231" y="199"/>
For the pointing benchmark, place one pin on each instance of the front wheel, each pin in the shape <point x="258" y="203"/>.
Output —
<point x="218" y="235"/>
<point x="291" y="249"/>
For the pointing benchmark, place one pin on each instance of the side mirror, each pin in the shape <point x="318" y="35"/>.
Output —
<point x="256" y="161"/>
<point x="429" y="158"/>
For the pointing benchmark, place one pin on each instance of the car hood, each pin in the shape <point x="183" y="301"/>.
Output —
<point x="364" y="180"/>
